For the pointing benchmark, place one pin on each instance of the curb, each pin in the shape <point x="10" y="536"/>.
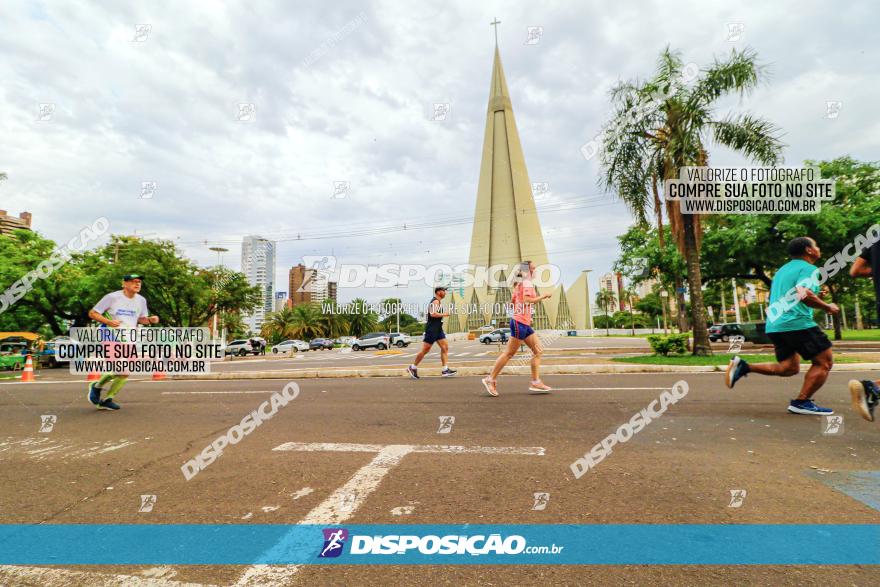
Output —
<point x="481" y="371"/>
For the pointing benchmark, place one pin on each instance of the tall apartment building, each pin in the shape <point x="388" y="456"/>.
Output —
<point x="9" y="223"/>
<point x="258" y="265"/>
<point x="331" y="291"/>
<point x="309" y="285"/>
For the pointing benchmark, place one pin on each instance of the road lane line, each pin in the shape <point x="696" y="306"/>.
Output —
<point x="345" y="501"/>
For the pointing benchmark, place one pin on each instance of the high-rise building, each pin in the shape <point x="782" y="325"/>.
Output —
<point x="9" y="223"/>
<point x="258" y="265"/>
<point x="280" y="300"/>
<point x="331" y="291"/>
<point x="309" y="285"/>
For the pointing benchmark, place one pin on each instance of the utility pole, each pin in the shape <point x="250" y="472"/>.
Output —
<point x="859" y="325"/>
<point x="723" y="309"/>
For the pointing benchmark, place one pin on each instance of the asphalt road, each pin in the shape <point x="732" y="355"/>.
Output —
<point x="94" y="465"/>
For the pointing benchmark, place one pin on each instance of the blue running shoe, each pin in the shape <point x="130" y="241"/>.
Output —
<point x="108" y="404"/>
<point x="806" y="406"/>
<point x="94" y="393"/>
<point x="736" y="369"/>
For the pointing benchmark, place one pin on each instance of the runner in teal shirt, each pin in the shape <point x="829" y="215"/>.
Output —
<point x="790" y="325"/>
<point x="796" y="273"/>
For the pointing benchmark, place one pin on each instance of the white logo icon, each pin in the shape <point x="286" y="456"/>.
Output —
<point x="45" y="111"/>
<point x="541" y="190"/>
<point x="147" y="503"/>
<point x="737" y="497"/>
<point x="541" y="501"/>
<point x="446" y="423"/>
<point x="141" y="32"/>
<point x="832" y="425"/>
<point x="533" y="35"/>
<point x="340" y="189"/>
<point x="832" y="108"/>
<point x="47" y="422"/>
<point x="247" y="112"/>
<point x="735" y="31"/>
<point x="589" y="150"/>
<point x="440" y="112"/>
<point x="736" y="342"/>
<point x="148" y="189"/>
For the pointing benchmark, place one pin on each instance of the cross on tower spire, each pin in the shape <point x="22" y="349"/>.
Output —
<point x="495" y="24"/>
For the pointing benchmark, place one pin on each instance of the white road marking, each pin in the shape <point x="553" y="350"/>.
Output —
<point x="403" y="510"/>
<point x="344" y="502"/>
<point x="301" y="493"/>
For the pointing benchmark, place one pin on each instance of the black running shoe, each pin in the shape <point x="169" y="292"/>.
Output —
<point x="94" y="394"/>
<point x="108" y="404"/>
<point x="447" y="372"/>
<point x="865" y="397"/>
<point x="413" y="372"/>
<point x="736" y="370"/>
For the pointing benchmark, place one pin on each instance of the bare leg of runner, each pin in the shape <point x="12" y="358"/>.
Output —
<point x="426" y="348"/>
<point x="444" y="351"/>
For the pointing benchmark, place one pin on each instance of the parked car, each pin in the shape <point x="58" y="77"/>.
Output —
<point x="379" y="340"/>
<point x="497" y="335"/>
<point x="241" y="348"/>
<point x="320" y="344"/>
<point x="724" y="331"/>
<point x="399" y="339"/>
<point x="288" y="346"/>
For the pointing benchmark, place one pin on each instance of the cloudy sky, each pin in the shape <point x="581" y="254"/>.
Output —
<point x="343" y="91"/>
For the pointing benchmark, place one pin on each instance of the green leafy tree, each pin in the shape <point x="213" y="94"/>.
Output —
<point x="661" y="125"/>
<point x="361" y="318"/>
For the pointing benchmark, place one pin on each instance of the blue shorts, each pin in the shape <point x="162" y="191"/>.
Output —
<point x="519" y="330"/>
<point x="432" y="337"/>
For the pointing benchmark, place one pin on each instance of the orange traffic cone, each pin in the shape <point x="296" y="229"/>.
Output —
<point x="27" y="376"/>
<point x="158" y="375"/>
<point x="93" y="376"/>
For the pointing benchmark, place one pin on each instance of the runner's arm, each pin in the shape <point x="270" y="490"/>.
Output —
<point x="861" y="268"/>
<point x="98" y="317"/>
<point x="435" y="311"/>
<point x="813" y="301"/>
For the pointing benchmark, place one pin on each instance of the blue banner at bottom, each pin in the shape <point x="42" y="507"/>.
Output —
<point x="600" y="544"/>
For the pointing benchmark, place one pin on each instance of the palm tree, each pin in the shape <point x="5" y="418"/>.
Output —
<point x="279" y="325"/>
<point x="628" y="294"/>
<point x="305" y="322"/>
<point x="333" y="324"/>
<point x="605" y="299"/>
<point x="660" y="126"/>
<point x="360" y="318"/>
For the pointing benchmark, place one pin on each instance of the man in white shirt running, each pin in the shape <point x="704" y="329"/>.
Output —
<point x="125" y="308"/>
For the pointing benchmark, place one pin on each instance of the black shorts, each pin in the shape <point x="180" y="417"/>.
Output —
<point x="432" y="336"/>
<point x="807" y="343"/>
